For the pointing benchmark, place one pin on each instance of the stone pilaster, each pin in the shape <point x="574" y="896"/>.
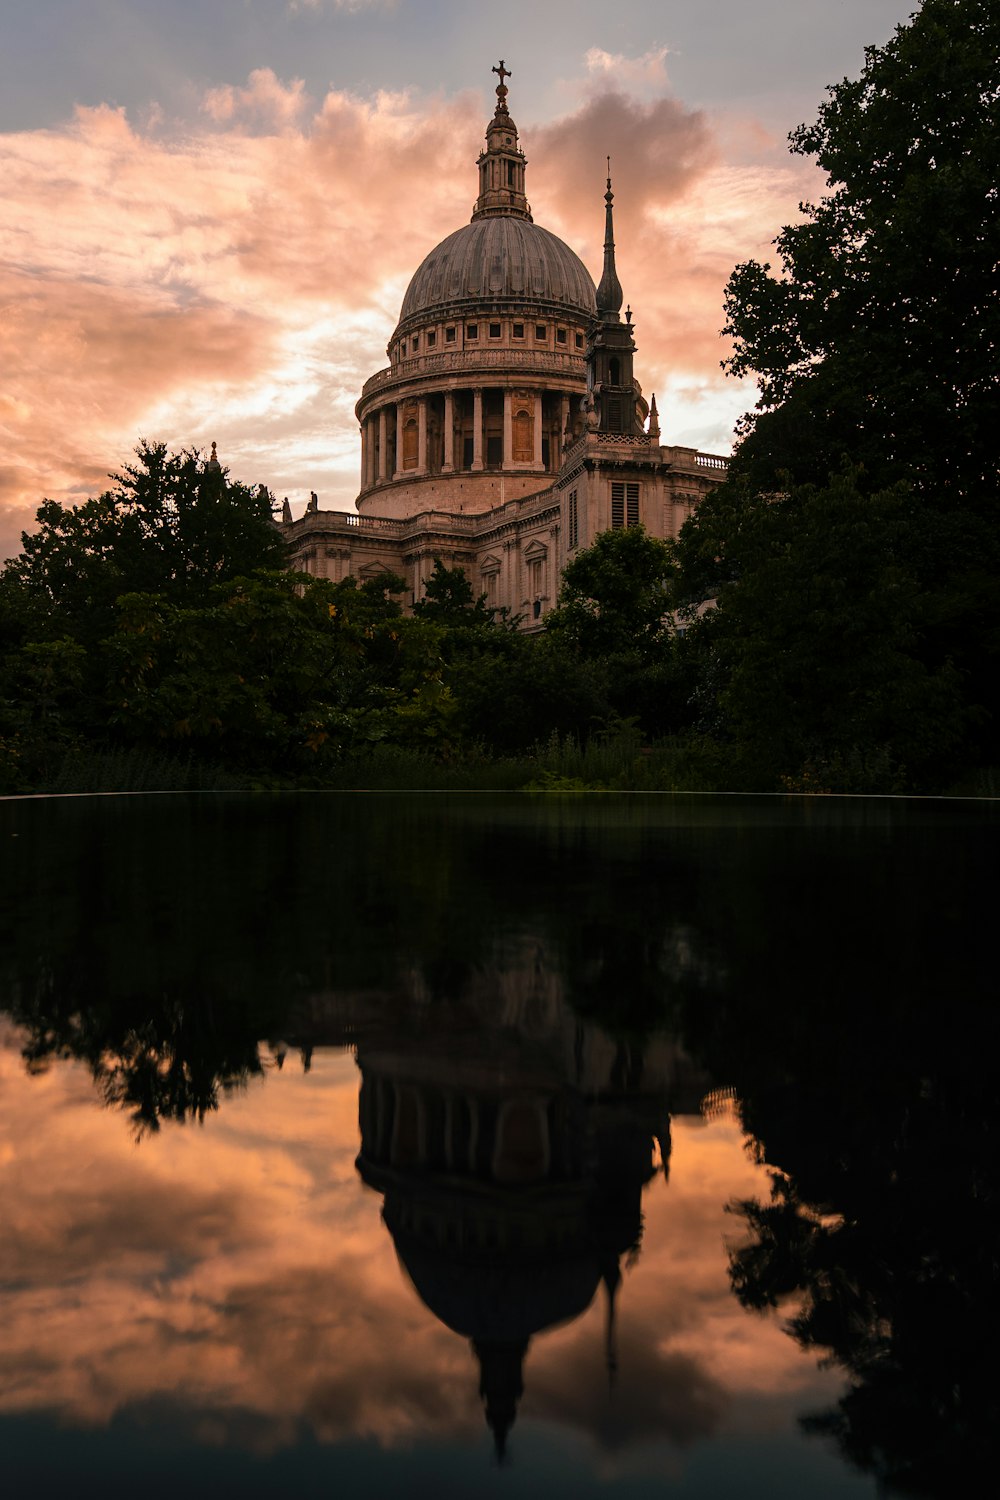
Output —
<point x="449" y="433"/>
<point x="477" y="428"/>
<point x="382" y="453"/>
<point x="508" y="429"/>
<point x="422" y="435"/>
<point x="398" y="472"/>
<point x="539" y="399"/>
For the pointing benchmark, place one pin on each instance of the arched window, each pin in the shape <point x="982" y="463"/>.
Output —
<point x="524" y="449"/>
<point x="410" y="444"/>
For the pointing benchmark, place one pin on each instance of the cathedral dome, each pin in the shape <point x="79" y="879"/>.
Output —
<point x="495" y="259"/>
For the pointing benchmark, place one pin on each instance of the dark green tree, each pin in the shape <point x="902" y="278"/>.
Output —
<point x="876" y="348"/>
<point x="615" y="595"/>
<point x="172" y="525"/>
<point x="449" y="600"/>
<point x="879" y="341"/>
<point x="813" y="661"/>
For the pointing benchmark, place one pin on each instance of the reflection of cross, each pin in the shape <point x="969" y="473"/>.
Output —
<point x="502" y="72"/>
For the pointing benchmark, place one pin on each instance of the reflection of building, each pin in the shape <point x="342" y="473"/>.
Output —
<point x="508" y="429"/>
<point x="512" y="1155"/>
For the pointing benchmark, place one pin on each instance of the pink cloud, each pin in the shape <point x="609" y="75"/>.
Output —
<point x="238" y="281"/>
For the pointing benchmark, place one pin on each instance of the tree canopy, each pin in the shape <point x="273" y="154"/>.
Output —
<point x="854" y="555"/>
<point x="879" y="340"/>
<point x="172" y="524"/>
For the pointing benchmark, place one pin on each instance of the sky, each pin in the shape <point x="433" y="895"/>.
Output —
<point x="209" y="213"/>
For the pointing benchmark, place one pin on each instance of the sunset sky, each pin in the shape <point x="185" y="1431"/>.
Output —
<point x="210" y="212"/>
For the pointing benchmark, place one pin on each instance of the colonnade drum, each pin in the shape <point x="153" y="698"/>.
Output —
<point x="473" y="430"/>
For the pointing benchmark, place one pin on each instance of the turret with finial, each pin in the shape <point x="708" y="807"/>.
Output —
<point x="609" y="292"/>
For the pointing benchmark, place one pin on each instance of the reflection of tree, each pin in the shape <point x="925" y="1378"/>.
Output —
<point x="859" y="1047"/>
<point x="160" y="941"/>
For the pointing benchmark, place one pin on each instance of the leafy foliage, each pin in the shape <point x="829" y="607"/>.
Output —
<point x="615" y="594"/>
<point x="880" y="341"/>
<point x="172" y="525"/>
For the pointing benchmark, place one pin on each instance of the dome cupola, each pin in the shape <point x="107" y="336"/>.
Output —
<point x="502" y="164"/>
<point x="502" y="257"/>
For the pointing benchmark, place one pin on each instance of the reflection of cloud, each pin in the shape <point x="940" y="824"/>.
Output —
<point x="657" y="1394"/>
<point x="238" y="280"/>
<point x="240" y="1276"/>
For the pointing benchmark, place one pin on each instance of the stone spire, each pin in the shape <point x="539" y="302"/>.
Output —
<point x="609" y="293"/>
<point x="654" y="419"/>
<point x="611" y="347"/>
<point x="502" y="164"/>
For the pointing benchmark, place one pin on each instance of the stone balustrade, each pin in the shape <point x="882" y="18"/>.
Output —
<point x="468" y="361"/>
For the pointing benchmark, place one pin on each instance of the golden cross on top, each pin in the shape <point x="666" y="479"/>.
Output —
<point x="502" y="72"/>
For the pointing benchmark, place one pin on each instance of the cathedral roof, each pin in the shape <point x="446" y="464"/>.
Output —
<point x="499" y="257"/>
<point x="502" y="256"/>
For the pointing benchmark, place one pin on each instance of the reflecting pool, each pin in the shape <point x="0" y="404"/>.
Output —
<point x="565" y="1145"/>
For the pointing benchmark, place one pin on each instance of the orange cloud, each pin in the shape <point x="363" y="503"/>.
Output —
<point x="238" y="280"/>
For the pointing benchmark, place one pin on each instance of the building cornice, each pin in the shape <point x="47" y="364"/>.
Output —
<point x="467" y="368"/>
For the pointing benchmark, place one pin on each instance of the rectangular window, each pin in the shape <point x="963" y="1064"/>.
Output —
<point x="579" y="341"/>
<point x="416" y="342"/>
<point x="518" y="331"/>
<point x="494" y="330"/>
<point x="402" y="347"/>
<point x="472" y="331"/>
<point x="574" y="520"/>
<point x="624" y="505"/>
<point x="494" y="452"/>
<point x="560" y="335"/>
<point x="432" y="339"/>
<point x="449" y="335"/>
<point x="540" y="331"/>
<point x="467" y="452"/>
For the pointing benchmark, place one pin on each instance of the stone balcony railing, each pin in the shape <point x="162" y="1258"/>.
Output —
<point x="467" y="362"/>
<point x="675" y="455"/>
<point x="326" y="521"/>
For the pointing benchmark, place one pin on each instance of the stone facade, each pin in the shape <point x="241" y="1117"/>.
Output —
<point x="508" y="429"/>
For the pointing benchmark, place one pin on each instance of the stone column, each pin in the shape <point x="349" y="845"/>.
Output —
<point x="539" y="401"/>
<point x="563" y="420"/>
<point x="398" y="471"/>
<point x="508" y="430"/>
<point x="364" y="454"/>
<point x="477" y="429"/>
<point x="449" y="433"/>
<point x="382" y="453"/>
<point x="422" y="435"/>
<point x="370" y="466"/>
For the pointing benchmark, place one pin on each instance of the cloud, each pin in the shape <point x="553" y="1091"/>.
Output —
<point x="265" y="98"/>
<point x="647" y="71"/>
<point x="237" y="280"/>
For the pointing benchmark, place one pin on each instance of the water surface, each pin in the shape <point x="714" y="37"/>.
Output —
<point x="595" y="1146"/>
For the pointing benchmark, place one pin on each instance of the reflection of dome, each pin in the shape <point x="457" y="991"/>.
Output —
<point x="503" y="1298"/>
<point x="495" y="258"/>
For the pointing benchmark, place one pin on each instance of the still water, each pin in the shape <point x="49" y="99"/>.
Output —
<point x="430" y="1145"/>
